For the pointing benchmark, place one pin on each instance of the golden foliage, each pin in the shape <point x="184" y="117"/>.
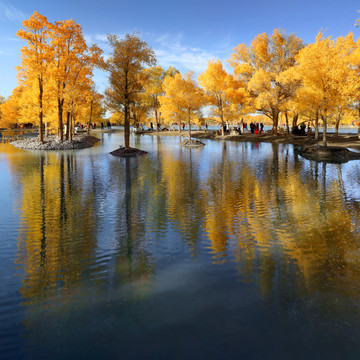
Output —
<point x="182" y="99"/>
<point x="323" y="68"/>
<point x="56" y="72"/>
<point x="225" y="94"/>
<point x="128" y="59"/>
<point x="264" y="68"/>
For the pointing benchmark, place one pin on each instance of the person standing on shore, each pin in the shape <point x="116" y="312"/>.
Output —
<point x="252" y="127"/>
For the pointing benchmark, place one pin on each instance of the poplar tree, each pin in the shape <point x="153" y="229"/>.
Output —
<point x="129" y="57"/>
<point x="263" y="66"/>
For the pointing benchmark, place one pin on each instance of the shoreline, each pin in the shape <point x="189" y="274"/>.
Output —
<point x="51" y="143"/>
<point x="345" y="139"/>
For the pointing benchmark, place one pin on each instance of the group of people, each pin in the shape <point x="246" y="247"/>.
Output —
<point x="296" y="131"/>
<point x="108" y="125"/>
<point x="159" y="128"/>
<point x="255" y="128"/>
<point x="80" y="126"/>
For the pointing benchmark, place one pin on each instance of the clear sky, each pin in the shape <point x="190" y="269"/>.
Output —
<point x="185" y="34"/>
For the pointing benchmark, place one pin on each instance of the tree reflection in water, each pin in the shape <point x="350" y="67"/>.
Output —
<point x="95" y="236"/>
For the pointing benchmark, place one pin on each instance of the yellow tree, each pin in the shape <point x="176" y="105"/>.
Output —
<point x="261" y="67"/>
<point x="36" y="57"/>
<point x="73" y="62"/>
<point x="81" y="88"/>
<point x="323" y="69"/>
<point x="139" y="110"/>
<point x="10" y="110"/>
<point x="117" y="118"/>
<point x="95" y="109"/>
<point x="153" y="89"/>
<point x="182" y="99"/>
<point x="306" y="103"/>
<point x="353" y="80"/>
<point x="154" y="77"/>
<point x="225" y="94"/>
<point x="128" y="58"/>
<point x="2" y="101"/>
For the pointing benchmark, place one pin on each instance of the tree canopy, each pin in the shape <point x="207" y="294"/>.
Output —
<point x="276" y="76"/>
<point x="125" y="65"/>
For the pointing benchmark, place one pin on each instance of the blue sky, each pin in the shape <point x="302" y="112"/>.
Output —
<point x="185" y="34"/>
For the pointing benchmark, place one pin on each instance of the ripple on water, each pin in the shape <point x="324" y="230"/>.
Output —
<point x="103" y="246"/>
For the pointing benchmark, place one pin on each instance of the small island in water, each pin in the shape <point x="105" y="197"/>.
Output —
<point x="52" y="143"/>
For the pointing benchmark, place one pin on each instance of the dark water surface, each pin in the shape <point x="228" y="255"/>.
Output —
<point x="231" y="251"/>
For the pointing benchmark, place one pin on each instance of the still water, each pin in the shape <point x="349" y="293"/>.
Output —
<point x="231" y="251"/>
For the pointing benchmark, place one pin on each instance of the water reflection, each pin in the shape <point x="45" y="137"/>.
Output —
<point x="288" y="212"/>
<point x="96" y="234"/>
<point x="58" y="226"/>
<point x="260" y="214"/>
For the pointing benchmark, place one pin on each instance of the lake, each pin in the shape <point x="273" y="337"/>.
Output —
<point x="229" y="251"/>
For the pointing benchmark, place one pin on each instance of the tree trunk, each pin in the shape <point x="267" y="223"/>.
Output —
<point x="359" y="125"/>
<point x="189" y="126"/>
<point x="41" y="113"/>
<point x="287" y="122"/>
<point x="60" y="122"/>
<point x="317" y="125"/>
<point x="275" y="122"/>
<point x="126" y="112"/>
<point x="71" y="129"/>
<point x="337" y="124"/>
<point x="73" y="121"/>
<point x="126" y="125"/>
<point x="89" y="123"/>
<point x="324" y="118"/>
<point x="294" y="123"/>
<point x="222" y="122"/>
<point x="156" y="116"/>
<point x="67" y="125"/>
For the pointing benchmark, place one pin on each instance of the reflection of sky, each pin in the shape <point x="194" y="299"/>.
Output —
<point x="351" y="178"/>
<point x="186" y="290"/>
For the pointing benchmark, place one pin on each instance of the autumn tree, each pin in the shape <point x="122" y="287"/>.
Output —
<point x="305" y="103"/>
<point x="353" y="79"/>
<point x="73" y="63"/>
<point x="21" y="107"/>
<point x="323" y="69"/>
<point x="10" y="109"/>
<point x="36" y="57"/>
<point x="56" y="65"/>
<point x="153" y="87"/>
<point x="262" y="66"/>
<point x="183" y="98"/>
<point x="154" y="77"/>
<point x="129" y="57"/>
<point x="2" y="100"/>
<point x="95" y="109"/>
<point x="225" y="94"/>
